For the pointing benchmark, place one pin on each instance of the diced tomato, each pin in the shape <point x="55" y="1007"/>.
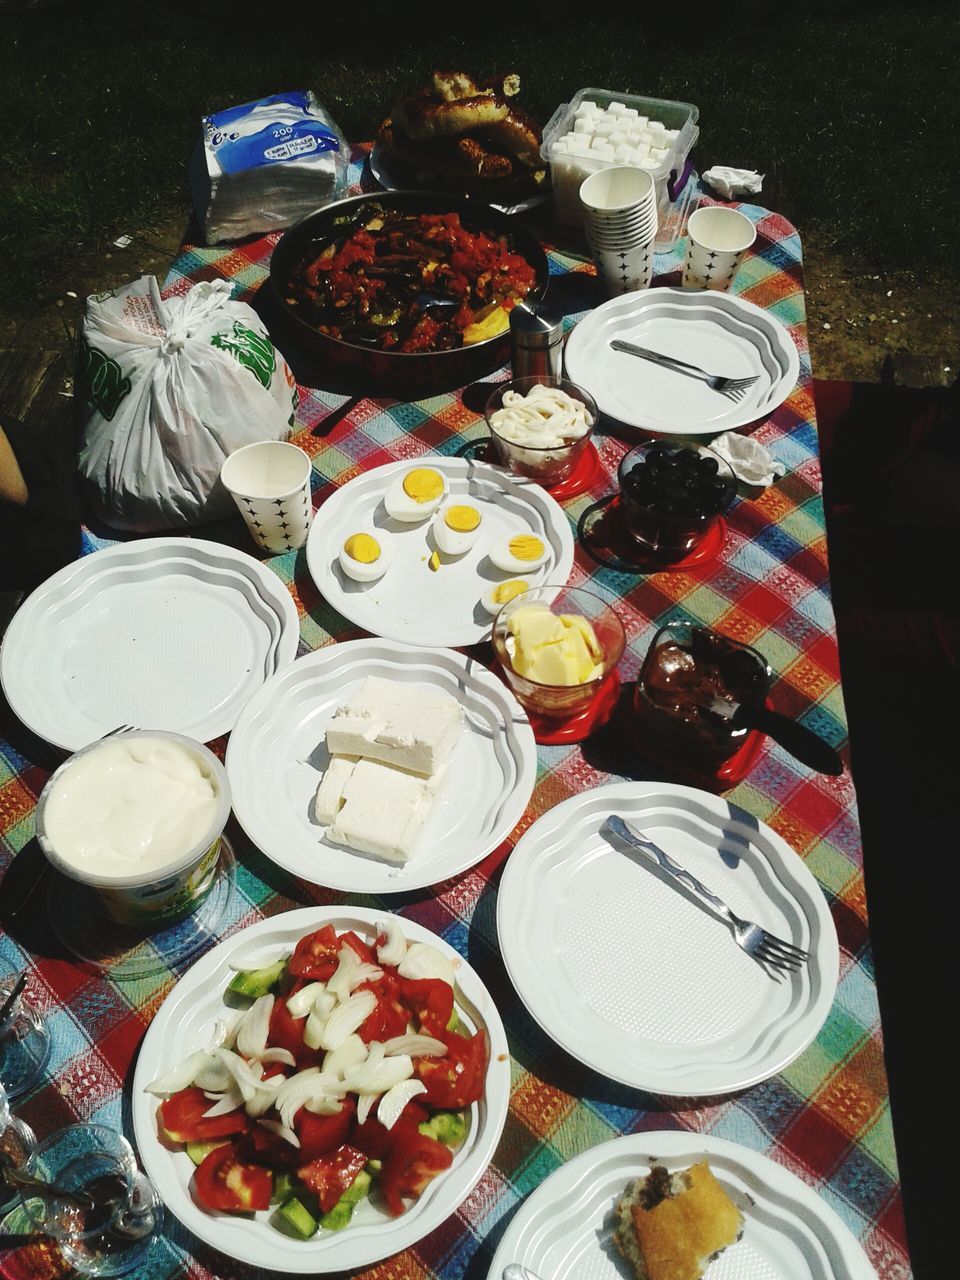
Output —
<point x="363" y="949"/>
<point x="376" y="1141"/>
<point x="315" y="956"/>
<point x="263" y="1146"/>
<point x="331" y="1175"/>
<point x="431" y="999"/>
<point x="409" y="1166"/>
<point x="286" y="1032"/>
<point x="457" y="1079"/>
<point x="227" y="1183"/>
<point x="181" y="1118"/>
<point x="319" y="1135"/>
<point x="391" y="1015"/>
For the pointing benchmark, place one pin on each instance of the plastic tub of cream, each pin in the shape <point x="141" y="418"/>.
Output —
<point x="138" y="817"/>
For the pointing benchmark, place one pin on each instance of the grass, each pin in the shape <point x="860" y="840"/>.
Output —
<point x="849" y="110"/>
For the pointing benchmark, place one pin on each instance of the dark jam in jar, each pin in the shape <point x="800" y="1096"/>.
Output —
<point x="685" y="668"/>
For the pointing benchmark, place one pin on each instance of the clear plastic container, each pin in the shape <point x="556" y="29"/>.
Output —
<point x="568" y="171"/>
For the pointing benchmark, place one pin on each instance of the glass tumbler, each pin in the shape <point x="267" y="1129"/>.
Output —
<point x="109" y="1225"/>
<point x="549" y="465"/>
<point x="17" y="1144"/>
<point x="24" y="1039"/>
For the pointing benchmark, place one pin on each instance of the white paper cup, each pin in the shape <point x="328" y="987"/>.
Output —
<point x="717" y="239"/>
<point x="270" y="483"/>
<point x="163" y="894"/>
<point x="617" y="190"/>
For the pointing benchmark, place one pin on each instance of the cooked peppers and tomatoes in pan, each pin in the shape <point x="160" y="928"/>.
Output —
<point x="349" y="1074"/>
<point x="410" y="282"/>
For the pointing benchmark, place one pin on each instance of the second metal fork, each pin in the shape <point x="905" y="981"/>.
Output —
<point x="733" y="388"/>
<point x="755" y="941"/>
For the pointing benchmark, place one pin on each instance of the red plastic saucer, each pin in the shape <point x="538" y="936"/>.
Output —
<point x="588" y="472"/>
<point x="602" y="533"/>
<point x="554" y="732"/>
<point x="728" y="774"/>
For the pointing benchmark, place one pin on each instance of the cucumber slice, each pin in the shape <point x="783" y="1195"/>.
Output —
<point x="293" y="1218"/>
<point x="448" y="1127"/>
<point x="198" y="1151"/>
<point x="257" y="982"/>
<point x="341" y="1213"/>
<point x="284" y="1186"/>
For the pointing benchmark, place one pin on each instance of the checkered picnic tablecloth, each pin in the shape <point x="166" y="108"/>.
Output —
<point x="827" y="1116"/>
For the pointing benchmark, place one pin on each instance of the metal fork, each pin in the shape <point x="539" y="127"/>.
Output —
<point x="755" y="941"/>
<point x="733" y="388"/>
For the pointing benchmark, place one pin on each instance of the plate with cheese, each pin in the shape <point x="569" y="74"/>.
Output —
<point x="372" y="767"/>
<point x="412" y="551"/>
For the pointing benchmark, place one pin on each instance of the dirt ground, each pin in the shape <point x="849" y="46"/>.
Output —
<point x="858" y="315"/>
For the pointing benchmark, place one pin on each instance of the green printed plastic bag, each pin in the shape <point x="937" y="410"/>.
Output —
<point x="172" y="387"/>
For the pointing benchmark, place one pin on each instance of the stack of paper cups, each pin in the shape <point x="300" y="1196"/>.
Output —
<point x="620" y="221"/>
<point x="270" y="483"/>
<point x="718" y="237"/>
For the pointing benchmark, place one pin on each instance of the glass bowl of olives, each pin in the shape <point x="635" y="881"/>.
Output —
<point x="672" y="493"/>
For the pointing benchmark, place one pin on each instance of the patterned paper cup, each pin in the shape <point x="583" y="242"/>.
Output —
<point x="717" y="240"/>
<point x="626" y="269"/>
<point x="270" y="483"/>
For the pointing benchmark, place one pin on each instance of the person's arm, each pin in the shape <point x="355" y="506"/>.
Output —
<point x="13" y="487"/>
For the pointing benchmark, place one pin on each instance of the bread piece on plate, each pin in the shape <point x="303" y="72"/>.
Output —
<point x="670" y="1225"/>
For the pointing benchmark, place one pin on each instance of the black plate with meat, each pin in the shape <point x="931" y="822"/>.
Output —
<point x="406" y="374"/>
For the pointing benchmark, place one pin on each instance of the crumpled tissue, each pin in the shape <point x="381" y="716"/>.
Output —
<point x="731" y="183"/>
<point x="748" y="459"/>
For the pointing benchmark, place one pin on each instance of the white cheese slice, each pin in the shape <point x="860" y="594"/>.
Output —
<point x="398" y="724"/>
<point x="383" y="810"/>
<point x="330" y="791"/>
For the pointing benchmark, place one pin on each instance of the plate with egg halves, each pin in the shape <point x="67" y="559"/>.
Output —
<point x="290" y="736"/>
<point x="414" y="551"/>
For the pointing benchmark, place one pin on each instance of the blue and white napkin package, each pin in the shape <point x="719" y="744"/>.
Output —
<point x="264" y="165"/>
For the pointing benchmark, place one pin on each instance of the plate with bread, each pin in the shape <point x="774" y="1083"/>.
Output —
<point x="466" y="135"/>
<point x="675" y="1205"/>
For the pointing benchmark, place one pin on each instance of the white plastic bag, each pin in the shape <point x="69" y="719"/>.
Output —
<point x="174" y="386"/>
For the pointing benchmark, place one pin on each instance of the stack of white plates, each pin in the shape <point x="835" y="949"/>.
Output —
<point x="166" y="633"/>
<point x="719" y="332"/>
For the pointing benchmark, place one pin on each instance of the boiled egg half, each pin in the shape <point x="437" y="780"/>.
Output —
<point x="366" y="555"/>
<point x="518" y="553"/>
<point x="457" y="528"/>
<point x="415" y="495"/>
<point x="495" y="597"/>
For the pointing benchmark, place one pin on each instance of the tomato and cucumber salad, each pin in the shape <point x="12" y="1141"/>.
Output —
<point x="348" y="1074"/>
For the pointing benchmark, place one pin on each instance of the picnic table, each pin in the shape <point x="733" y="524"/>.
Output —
<point x="826" y="1117"/>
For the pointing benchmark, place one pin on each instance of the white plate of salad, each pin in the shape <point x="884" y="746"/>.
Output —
<point x="321" y="1090"/>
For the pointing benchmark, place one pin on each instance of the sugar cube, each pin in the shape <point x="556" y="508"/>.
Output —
<point x="618" y="137"/>
<point x="582" y="125"/>
<point x="642" y="151"/>
<point x="598" y="142"/>
<point x="629" y="113"/>
<point x="616" y="108"/>
<point x="648" y="164"/>
<point x="623" y="154"/>
<point x="642" y="122"/>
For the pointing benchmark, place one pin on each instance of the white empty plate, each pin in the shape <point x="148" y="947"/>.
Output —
<point x="412" y="603"/>
<point x="719" y="332"/>
<point x="636" y="979"/>
<point x="564" y="1230"/>
<point x="163" y="633"/>
<point x="184" y="1023"/>
<point x="277" y="754"/>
